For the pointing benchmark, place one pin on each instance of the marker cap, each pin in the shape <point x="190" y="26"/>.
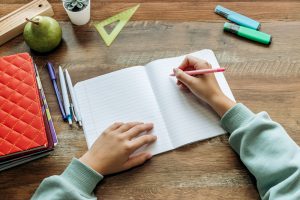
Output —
<point x="248" y="33"/>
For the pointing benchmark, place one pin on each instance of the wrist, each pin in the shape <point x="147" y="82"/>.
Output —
<point x="216" y="98"/>
<point x="87" y="159"/>
<point x="221" y="103"/>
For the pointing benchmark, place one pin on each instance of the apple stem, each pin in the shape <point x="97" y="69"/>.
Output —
<point x="35" y="22"/>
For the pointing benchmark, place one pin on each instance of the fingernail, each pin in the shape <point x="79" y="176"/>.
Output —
<point x="175" y="70"/>
<point x="149" y="156"/>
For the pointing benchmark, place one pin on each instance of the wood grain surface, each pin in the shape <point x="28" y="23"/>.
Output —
<point x="262" y="77"/>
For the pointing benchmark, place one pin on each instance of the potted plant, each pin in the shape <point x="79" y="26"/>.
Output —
<point x="78" y="11"/>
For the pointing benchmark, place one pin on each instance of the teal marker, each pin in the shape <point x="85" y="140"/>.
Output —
<point x="248" y="33"/>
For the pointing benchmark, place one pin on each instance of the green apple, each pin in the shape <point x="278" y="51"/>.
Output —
<point x="42" y="33"/>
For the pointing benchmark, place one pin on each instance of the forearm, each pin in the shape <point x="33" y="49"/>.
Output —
<point x="76" y="182"/>
<point x="266" y="150"/>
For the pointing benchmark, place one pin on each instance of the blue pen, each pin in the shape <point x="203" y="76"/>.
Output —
<point x="237" y="18"/>
<point x="57" y="93"/>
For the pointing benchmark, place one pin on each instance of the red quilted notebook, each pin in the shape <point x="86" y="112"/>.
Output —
<point x="22" y="126"/>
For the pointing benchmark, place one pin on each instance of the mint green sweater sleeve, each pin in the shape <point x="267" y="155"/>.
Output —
<point x="262" y="144"/>
<point x="267" y="151"/>
<point x="77" y="182"/>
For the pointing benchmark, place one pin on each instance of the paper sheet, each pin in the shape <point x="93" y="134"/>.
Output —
<point x="149" y="94"/>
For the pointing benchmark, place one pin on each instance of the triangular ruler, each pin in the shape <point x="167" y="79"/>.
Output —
<point x="122" y="18"/>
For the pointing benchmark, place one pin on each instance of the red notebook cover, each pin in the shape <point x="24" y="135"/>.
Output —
<point x="22" y="126"/>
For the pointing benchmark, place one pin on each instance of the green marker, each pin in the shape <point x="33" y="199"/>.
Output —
<point x="248" y="33"/>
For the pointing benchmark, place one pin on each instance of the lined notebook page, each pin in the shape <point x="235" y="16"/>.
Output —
<point x="149" y="94"/>
<point x="187" y="119"/>
<point x="122" y="96"/>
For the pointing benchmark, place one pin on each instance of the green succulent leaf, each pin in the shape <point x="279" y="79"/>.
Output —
<point x="75" y="4"/>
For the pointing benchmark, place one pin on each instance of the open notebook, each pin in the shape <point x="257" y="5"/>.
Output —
<point x="148" y="94"/>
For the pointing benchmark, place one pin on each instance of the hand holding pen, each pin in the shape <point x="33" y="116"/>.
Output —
<point x="205" y="87"/>
<point x="206" y="84"/>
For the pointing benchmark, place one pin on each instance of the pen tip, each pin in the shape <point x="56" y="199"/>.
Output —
<point x="80" y="123"/>
<point x="70" y="121"/>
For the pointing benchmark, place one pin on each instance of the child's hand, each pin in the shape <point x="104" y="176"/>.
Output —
<point x="110" y="152"/>
<point x="203" y="86"/>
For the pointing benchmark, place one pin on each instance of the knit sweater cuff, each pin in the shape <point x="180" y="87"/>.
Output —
<point x="236" y="117"/>
<point x="81" y="176"/>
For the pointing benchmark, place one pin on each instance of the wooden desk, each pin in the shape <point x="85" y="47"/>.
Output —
<point x="264" y="78"/>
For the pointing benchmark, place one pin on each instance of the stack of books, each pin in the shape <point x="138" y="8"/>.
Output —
<point x="26" y="128"/>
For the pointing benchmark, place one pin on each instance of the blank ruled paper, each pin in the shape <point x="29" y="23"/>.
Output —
<point x="149" y="94"/>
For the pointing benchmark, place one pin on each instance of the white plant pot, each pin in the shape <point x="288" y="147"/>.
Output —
<point x="80" y="17"/>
